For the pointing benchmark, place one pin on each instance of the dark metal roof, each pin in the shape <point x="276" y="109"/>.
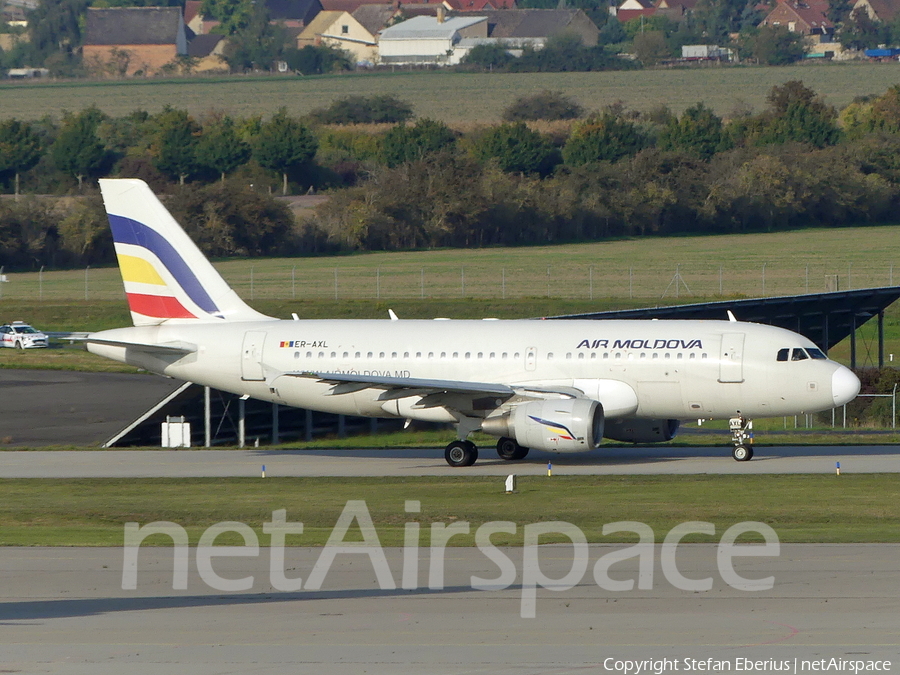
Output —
<point x="132" y="26"/>
<point x="825" y="318"/>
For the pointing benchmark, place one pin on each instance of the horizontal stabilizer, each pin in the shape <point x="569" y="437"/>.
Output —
<point x="161" y="348"/>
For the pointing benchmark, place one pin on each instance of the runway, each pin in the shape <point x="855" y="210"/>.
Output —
<point x="64" y="611"/>
<point x="430" y="462"/>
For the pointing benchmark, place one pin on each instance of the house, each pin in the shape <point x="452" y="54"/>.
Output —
<point x="429" y="39"/>
<point x="293" y="13"/>
<point x="634" y="9"/>
<point x="376" y="17"/>
<point x="341" y="30"/>
<point x="674" y="10"/>
<point x="125" y="41"/>
<point x="879" y="10"/>
<point x="209" y="52"/>
<point x="808" y="18"/>
<point x="479" y="5"/>
<point x="535" y="26"/>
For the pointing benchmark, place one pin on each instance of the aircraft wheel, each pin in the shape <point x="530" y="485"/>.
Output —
<point x="742" y="453"/>
<point x="461" y="453"/>
<point x="508" y="449"/>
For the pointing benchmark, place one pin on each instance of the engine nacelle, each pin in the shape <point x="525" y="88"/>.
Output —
<point x="641" y="431"/>
<point x="568" y="425"/>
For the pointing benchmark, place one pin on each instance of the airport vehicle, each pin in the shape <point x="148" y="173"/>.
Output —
<point x="550" y="385"/>
<point x="20" y="335"/>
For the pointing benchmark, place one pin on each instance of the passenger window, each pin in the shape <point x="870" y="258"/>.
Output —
<point x="798" y="355"/>
<point x="405" y="355"/>
<point x="516" y="355"/>
<point x="783" y="354"/>
<point x="455" y="355"/>
<point x="296" y="355"/>
<point x="381" y="355"/>
<point x="369" y="355"/>
<point x="680" y="356"/>
<point x="468" y="355"/>
<point x="655" y="355"/>
<point x="549" y="356"/>
<point x="321" y="355"/>
<point x="480" y="355"/>
<point x="643" y="355"/>
<point x="568" y="355"/>
<point x="816" y="354"/>
<point x="581" y="355"/>
<point x="703" y="355"/>
<point x="333" y="354"/>
<point x="605" y="355"/>
<point x="346" y="354"/>
<point x="443" y="355"/>
<point x="668" y="355"/>
<point x="503" y="355"/>
<point x="357" y="355"/>
<point x="492" y="356"/>
<point x="393" y="355"/>
<point x="430" y="355"/>
<point x="309" y="355"/>
<point x="692" y="356"/>
<point x="418" y="355"/>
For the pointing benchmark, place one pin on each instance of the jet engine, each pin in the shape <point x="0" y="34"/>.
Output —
<point x="569" y="425"/>
<point x="641" y="431"/>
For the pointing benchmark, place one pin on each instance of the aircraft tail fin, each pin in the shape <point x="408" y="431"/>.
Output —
<point x="166" y="276"/>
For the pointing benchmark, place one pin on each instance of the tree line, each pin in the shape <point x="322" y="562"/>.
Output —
<point x="410" y="183"/>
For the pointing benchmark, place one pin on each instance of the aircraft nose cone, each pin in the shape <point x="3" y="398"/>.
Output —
<point x="844" y="386"/>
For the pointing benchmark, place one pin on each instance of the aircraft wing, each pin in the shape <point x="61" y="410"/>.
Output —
<point x="460" y="395"/>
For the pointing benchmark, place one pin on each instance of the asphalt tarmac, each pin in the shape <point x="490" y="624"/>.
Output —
<point x="65" y="611"/>
<point x="60" y="407"/>
<point x="430" y="462"/>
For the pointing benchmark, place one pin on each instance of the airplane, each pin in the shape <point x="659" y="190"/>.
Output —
<point x="559" y="386"/>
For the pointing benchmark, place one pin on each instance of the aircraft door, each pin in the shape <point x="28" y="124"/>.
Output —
<point x="731" y="358"/>
<point x="251" y="356"/>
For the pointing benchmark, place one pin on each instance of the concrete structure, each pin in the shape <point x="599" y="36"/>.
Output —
<point x="429" y="40"/>
<point x="125" y="41"/>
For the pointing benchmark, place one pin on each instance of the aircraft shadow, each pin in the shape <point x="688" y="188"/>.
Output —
<point x="22" y="612"/>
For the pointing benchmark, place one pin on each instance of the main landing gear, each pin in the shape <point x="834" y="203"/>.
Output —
<point x="742" y="437"/>
<point x="465" y="453"/>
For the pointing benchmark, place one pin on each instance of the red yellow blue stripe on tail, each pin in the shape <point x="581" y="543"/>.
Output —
<point x="166" y="277"/>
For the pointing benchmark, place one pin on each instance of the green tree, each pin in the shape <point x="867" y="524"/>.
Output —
<point x="650" y="47"/>
<point x="699" y="132"/>
<point x="20" y="148"/>
<point x="798" y="114"/>
<point x="55" y="29"/>
<point x="773" y="45"/>
<point x="517" y="149"/>
<point x="77" y="149"/>
<point x="488" y="57"/>
<point x="284" y="145"/>
<point x="860" y="31"/>
<point x="317" y="59"/>
<point x="233" y="15"/>
<point x="839" y="11"/>
<point x="544" y="105"/>
<point x="603" y="138"/>
<point x="220" y="148"/>
<point x="407" y="143"/>
<point x="175" y="143"/>
<point x="258" y="45"/>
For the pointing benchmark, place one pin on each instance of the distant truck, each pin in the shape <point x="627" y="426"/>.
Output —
<point x="705" y="53"/>
<point x="882" y="53"/>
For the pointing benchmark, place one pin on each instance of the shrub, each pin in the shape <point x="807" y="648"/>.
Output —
<point x="380" y="109"/>
<point x="545" y="105"/>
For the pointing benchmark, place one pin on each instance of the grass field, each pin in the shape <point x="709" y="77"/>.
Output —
<point x="747" y="265"/>
<point x="459" y="98"/>
<point x="863" y="508"/>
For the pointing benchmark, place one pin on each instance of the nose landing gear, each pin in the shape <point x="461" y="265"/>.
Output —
<point x="742" y="438"/>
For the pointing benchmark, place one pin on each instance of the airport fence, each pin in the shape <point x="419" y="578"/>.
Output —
<point x="286" y="279"/>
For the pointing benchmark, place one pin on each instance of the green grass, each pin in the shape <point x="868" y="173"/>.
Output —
<point x="813" y="508"/>
<point x="634" y="269"/>
<point x="474" y="97"/>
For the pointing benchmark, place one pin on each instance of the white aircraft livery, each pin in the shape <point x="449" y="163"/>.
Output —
<point x="559" y="386"/>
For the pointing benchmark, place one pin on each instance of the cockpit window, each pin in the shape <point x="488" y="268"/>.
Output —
<point x="798" y="355"/>
<point x="816" y="353"/>
<point x="783" y="354"/>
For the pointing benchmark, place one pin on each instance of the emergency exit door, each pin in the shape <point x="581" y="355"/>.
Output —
<point x="731" y="358"/>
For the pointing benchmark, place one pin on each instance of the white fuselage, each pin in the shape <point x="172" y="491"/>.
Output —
<point x="643" y="369"/>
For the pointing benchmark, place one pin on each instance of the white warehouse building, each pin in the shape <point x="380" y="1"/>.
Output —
<point x="429" y="39"/>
